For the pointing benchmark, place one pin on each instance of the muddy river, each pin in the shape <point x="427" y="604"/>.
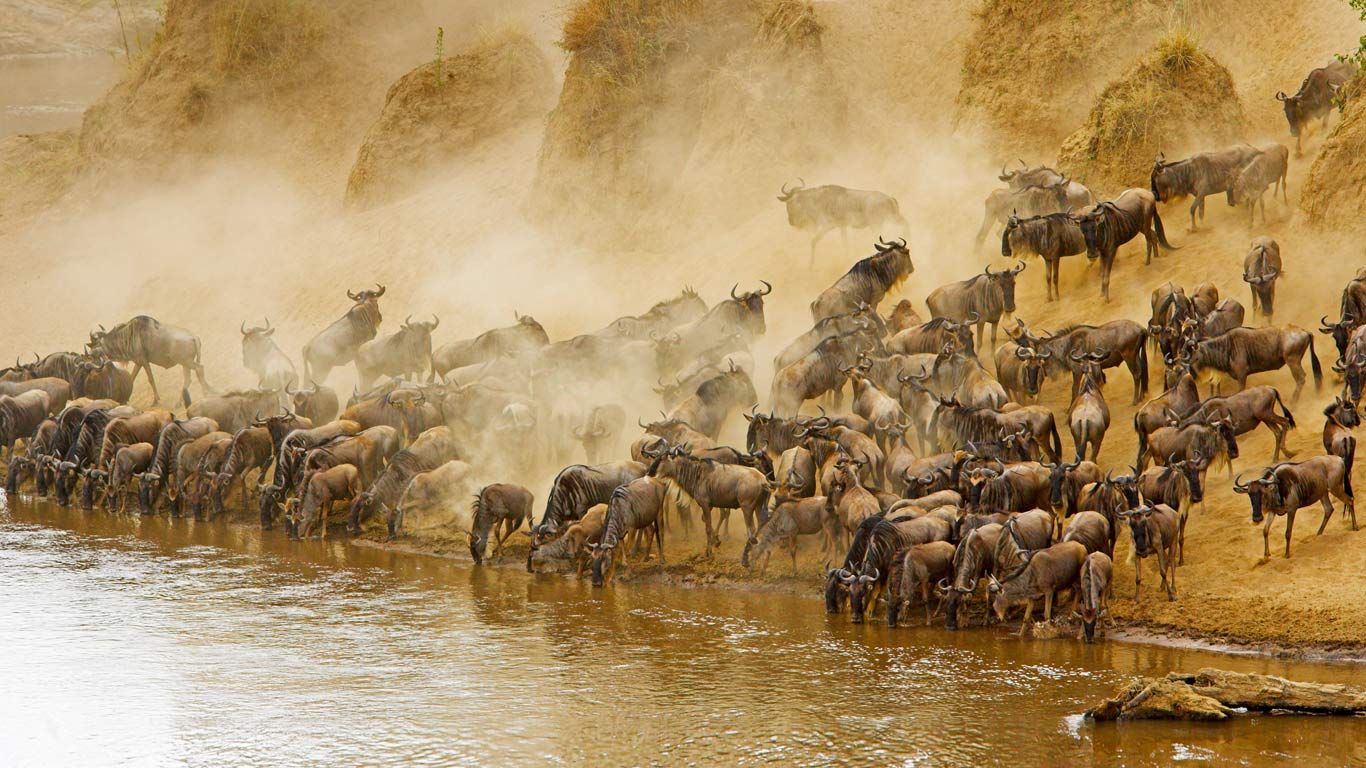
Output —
<point x="48" y="93"/>
<point x="157" y="642"/>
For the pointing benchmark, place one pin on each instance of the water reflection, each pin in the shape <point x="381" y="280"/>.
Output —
<point x="131" y="641"/>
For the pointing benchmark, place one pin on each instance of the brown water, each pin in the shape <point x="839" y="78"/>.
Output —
<point x="158" y="642"/>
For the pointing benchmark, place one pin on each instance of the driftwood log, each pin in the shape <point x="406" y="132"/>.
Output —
<point x="1216" y="694"/>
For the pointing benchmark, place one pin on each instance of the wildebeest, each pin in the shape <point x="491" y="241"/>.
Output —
<point x="1340" y="418"/>
<point x="707" y="409"/>
<point x="263" y="357"/>
<point x="1113" y="223"/>
<point x="289" y="459"/>
<point x="1314" y="99"/>
<point x="637" y="506"/>
<point x="318" y="404"/>
<point x="577" y="488"/>
<point x="153" y="481"/>
<point x="1177" y="485"/>
<point x="902" y="316"/>
<point x="1065" y="483"/>
<point x="821" y="209"/>
<point x="1090" y="529"/>
<point x="600" y="429"/>
<point x="1287" y="487"/>
<point x="341" y="483"/>
<point x="128" y="462"/>
<point x="1242" y="352"/>
<point x="973" y="558"/>
<point x="1268" y="168"/>
<point x="1154" y="530"/>
<point x="886" y="539"/>
<point x="1247" y="410"/>
<point x="1198" y="176"/>
<point x="144" y="341"/>
<point x="433" y="448"/>
<point x="1015" y="488"/>
<point x="663" y="316"/>
<point x="818" y="372"/>
<point x="337" y="343"/>
<point x="184" y="470"/>
<point x="58" y="390"/>
<point x="708" y="484"/>
<point x="1106" y="345"/>
<point x="932" y="336"/>
<point x="988" y="296"/>
<point x="499" y="509"/>
<point x="1261" y="268"/>
<point x="957" y="424"/>
<point x="922" y="566"/>
<point x="429" y="500"/>
<point x="866" y="283"/>
<point x="1044" y="574"/>
<point x="251" y="449"/>
<point x="236" y="410"/>
<point x="1042" y="197"/>
<point x="1089" y="414"/>
<point x="792" y="517"/>
<point x="1095" y="592"/>
<point x="1050" y="237"/>
<point x="572" y="543"/>
<point x="405" y="353"/>
<point x="104" y="379"/>
<point x="21" y="414"/>
<point x="526" y="335"/>
<point x="1110" y="496"/>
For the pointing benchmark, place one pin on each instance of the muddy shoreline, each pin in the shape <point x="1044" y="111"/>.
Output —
<point x="680" y="574"/>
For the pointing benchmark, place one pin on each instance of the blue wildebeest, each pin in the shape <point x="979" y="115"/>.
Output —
<point x="1198" y="176"/>
<point x="1314" y="99"/>
<point x="144" y="342"/>
<point x="337" y="343"/>
<point x="821" y="209"/>
<point x="1113" y="223"/>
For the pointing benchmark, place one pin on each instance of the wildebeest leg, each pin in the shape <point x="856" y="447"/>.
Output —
<point x="1181" y="533"/>
<point x="1327" y="513"/>
<point x="1289" y="526"/>
<point x="1196" y="206"/>
<point x="1138" y="577"/>
<point x="1048" y="598"/>
<point x="712" y="538"/>
<point x="1028" y="614"/>
<point x="815" y="240"/>
<point x="151" y="380"/>
<point x="1296" y="367"/>
<point x="1107" y="261"/>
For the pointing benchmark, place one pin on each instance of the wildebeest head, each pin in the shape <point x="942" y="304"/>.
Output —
<point x="1057" y="473"/>
<point x="1160" y="180"/>
<point x="1005" y="281"/>
<point x="1263" y="490"/>
<point x="1224" y="428"/>
<point x="363" y="296"/>
<point x="753" y="304"/>
<point x="1292" y="111"/>
<point x="1341" y="331"/>
<point x="1025" y="176"/>
<point x="256" y="344"/>
<point x="1344" y="412"/>
<point x="798" y="214"/>
<point x="1138" y="526"/>
<point x="1353" y="374"/>
<point x="1190" y="469"/>
<point x="1035" y="362"/>
<point x="1091" y="224"/>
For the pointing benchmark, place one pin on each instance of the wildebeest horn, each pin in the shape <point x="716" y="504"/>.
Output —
<point x="380" y="290"/>
<point x="767" y="288"/>
<point x="1005" y="175"/>
<point x="351" y="295"/>
<point x="407" y="321"/>
<point x="1023" y="164"/>
<point x="1018" y="269"/>
<point x="732" y="291"/>
<point x="1280" y="96"/>
<point x="436" y="321"/>
<point x="244" y="328"/>
<point x="1325" y="326"/>
<point x="1239" y="487"/>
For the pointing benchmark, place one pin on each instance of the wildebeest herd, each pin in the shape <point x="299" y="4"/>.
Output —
<point x="942" y="479"/>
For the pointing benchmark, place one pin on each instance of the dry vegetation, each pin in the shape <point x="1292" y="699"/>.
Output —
<point x="1177" y="100"/>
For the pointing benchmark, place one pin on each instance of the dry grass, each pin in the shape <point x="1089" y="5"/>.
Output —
<point x="1174" y="99"/>
<point x="791" y="25"/>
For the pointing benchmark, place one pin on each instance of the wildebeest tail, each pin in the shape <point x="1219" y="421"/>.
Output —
<point x="1143" y="363"/>
<point x="1056" y="440"/>
<point x="1142" y="442"/>
<point x="1314" y="362"/>
<point x="1162" y="232"/>
<point x="1290" y="417"/>
<point x="1348" y="461"/>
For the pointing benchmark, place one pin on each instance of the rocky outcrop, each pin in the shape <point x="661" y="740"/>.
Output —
<point x="1216" y="694"/>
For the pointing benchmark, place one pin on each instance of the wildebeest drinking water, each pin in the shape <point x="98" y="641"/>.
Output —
<point x="821" y="209"/>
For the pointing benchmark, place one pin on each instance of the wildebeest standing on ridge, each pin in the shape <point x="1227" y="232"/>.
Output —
<point x="821" y="209"/>
<point x="337" y="343"/>
<point x="988" y="297"/>
<point x="263" y="357"/>
<point x="1050" y="237"/>
<point x="1198" y="176"/>
<point x="1314" y="99"/>
<point x="866" y="283"/>
<point x="144" y="342"/>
